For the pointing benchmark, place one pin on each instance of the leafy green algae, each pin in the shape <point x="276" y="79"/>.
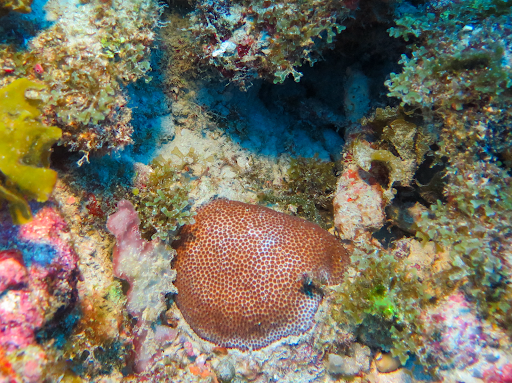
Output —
<point x="163" y="203"/>
<point x="25" y="144"/>
<point x="309" y="188"/>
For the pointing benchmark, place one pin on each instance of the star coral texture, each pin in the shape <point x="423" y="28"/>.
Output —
<point x="248" y="275"/>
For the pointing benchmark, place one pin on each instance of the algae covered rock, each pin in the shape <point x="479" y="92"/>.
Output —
<point x="25" y="144"/>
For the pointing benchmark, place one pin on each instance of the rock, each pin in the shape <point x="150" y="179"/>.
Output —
<point x="342" y="365"/>
<point x="358" y="203"/>
<point x="386" y="363"/>
<point x="398" y="376"/>
<point x="225" y="370"/>
<point x="359" y="361"/>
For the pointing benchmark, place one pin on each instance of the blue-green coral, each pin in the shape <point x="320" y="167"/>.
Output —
<point x="25" y="144"/>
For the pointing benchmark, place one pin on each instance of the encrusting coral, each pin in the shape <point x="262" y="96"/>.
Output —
<point x="146" y="266"/>
<point x="248" y="276"/>
<point x="25" y="144"/>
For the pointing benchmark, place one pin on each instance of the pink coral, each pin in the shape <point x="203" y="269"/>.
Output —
<point x="496" y="375"/>
<point x="12" y="270"/>
<point x="147" y="268"/>
<point x="145" y="265"/>
<point x="37" y="283"/>
<point x="19" y="314"/>
<point x="458" y="331"/>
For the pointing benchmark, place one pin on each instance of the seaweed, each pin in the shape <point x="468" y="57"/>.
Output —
<point x="25" y="144"/>
<point x="163" y="203"/>
<point x="308" y="190"/>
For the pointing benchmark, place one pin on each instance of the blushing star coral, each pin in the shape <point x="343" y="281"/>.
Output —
<point x="248" y="276"/>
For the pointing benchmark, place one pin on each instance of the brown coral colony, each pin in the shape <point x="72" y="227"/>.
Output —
<point x="246" y="274"/>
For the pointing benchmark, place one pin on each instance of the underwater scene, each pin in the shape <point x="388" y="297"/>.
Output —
<point x="240" y="191"/>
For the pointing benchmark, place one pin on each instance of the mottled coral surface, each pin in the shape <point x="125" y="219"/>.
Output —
<point x="248" y="275"/>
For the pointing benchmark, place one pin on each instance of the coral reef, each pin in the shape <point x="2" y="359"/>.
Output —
<point x="459" y="75"/>
<point x="453" y="326"/>
<point x="494" y="375"/>
<point x="22" y="6"/>
<point x="386" y="295"/>
<point x="18" y="325"/>
<point x="381" y="155"/>
<point x="358" y="202"/>
<point x="414" y="287"/>
<point x="246" y="40"/>
<point x="469" y="66"/>
<point x="356" y="363"/>
<point x="25" y="144"/>
<point x="474" y="225"/>
<point x="307" y="191"/>
<point x="263" y="269"/>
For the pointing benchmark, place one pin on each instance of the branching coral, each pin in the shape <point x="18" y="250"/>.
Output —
<point x="250" y="39"/>
<point x="25" y="144"/>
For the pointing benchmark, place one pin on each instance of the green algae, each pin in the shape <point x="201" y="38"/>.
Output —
<point x="163" y="204"/>
<point x="25" y="144"/>
<point x="308" y="190"/>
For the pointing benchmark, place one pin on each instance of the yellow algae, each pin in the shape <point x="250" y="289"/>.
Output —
<point x="25" y="147"/>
